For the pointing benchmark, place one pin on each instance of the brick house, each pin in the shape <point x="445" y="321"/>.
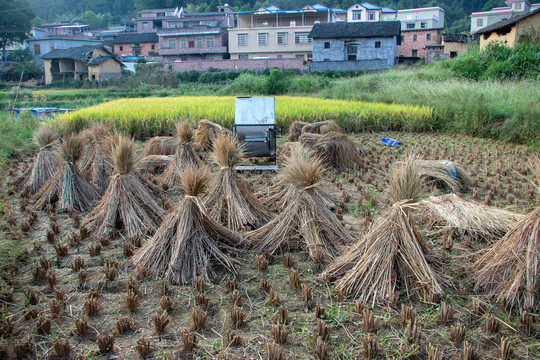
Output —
<point x="359" y="46"/>
<point x="419" y="28"/>
<point x="135" y="44"/>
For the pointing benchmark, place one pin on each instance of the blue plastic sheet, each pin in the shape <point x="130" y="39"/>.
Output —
<point x="452" y="168"/>
<point x="391" y="142"/>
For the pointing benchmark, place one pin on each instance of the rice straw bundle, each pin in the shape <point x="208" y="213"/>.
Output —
<point x="44" y="165"/>
<point x="129" y="203"/>
<point x="323" y="127"/>
<point x="278" y="195"/>
<point x="154" y="164"/>
<point x="185" y="155"/>
<point x="207" y="132"/>
<point x="232" y="201"/>
<point x="305" y="219"/>
<point x="335" y="149"/>
<point x="392" y="254"/>
<point x="470" y="217"/>
<point x="188" y="239"/>
<point x="509" y="271"/>
<point x="95" y="163"/>
<point x="161" y="145"/>
<point x="439" y="172"/>
<point x="67" y="189"/>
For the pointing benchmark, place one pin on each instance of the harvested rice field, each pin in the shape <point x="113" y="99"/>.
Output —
<point x="356" y="263"/>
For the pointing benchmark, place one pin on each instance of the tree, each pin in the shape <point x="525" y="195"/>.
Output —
<point x="15" y="22"/>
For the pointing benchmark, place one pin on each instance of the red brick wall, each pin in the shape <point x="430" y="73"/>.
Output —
<point x="237" y="64"/>
<point x="127" y="49"/>
<point x="408" y="43"/>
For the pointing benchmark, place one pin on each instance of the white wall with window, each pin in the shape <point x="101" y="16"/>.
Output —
<point x="262" y="38"/>
<point x="241" y="39"/>
<point x="282" y="38"/>
<point x="183" y="43"/>
<point x="209" y="41"/>
<point x="302" y="38"/>
<point x="199" y="41"/>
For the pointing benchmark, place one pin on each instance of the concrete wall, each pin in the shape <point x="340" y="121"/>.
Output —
<point x="237" y="65"/>
<point x="362" y="65"/>
<point x="511" y="37"/>
<point x="379" y="15"/>
<point x="456" y="47"/>
<point x="106" y="70"/>
<point x="366" y="50"/>
<point x="432" y="16"/>
<point x="272" y="48"/>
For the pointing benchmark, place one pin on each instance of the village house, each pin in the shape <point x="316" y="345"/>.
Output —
<point x="419" y="28"/>
<point x="509" y="31"/>
<point x="357" y="46"/>
<point x="80" y="63"/>
<point x="273" y="33"/>
<point x="135" y="44"/>
<point x="66" y="28"/>
<point x="482" y="19"/>
<point x="369" y="12"/>
<point x="457" y="44"/>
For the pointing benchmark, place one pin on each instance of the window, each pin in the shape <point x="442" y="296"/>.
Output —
<point x="414" y="53"/>
<point x="326" y="60"/>
<point x="517" y="6"/>
<point x="279" y="56"/>
<point x="302" y="38"/>
<point x="377" y="44"/>
<point x="121" y="48"/>
<point x="209" y="41"/>
<point x="199" y="41"/>
<point x="52" y="47"/>
<point x="207" y="23"/>
<point x="351" y="52"/>
<point x="428" y="37"/>
<point x="262" y="38"/>
<point x="172" y="43"/>
<point x="410" y="26"/>
<point x="153" y="47"/>
<point x="357" y="14"/>
<point x="183" y="43"/>
<point x="241" y="39"/>
<point x="327" y="44"/>
<point x="371" y="15"/>
<point x="414" y="37"/>
<point x="423" y="25"/>
<point x="184" y="58"/>
<point x="243" y="57"/>
<point x="300" y="57"/>
<point x="453" y="54"/>
<point x="479" y="22"/>
<point x="145" y="25"/>
<point x="402" y="38"/>
<point x="282" y="38"/>
<point x="37" y="49"/>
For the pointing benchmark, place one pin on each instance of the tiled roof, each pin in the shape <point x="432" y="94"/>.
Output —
<point x="356" y="30"/>
<point x="81" y="53"/>
<point x="506" y="22"/>
<point x="131" y="38"/>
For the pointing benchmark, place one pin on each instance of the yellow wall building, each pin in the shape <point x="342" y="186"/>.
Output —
<point x="509" y="31"/>
<point x="81" y="63"/>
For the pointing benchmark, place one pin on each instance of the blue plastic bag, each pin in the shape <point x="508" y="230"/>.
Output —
<point x="391" y="142"/>
<point x="452" y="168"/>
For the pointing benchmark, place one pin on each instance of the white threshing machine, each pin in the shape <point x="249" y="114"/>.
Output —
<point x="255" y="127"/>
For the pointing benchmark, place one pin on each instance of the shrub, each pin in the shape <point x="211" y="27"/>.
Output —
<point x="467" y="67"/>
<point x="275" y="82"/>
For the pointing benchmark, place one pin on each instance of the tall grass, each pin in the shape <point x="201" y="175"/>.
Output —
<point x="16" y="134"/>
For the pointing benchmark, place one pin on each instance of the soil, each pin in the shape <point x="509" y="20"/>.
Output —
<point x="502" y="176"/>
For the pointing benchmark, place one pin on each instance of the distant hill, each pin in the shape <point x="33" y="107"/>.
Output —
<point x="99" y="12"/>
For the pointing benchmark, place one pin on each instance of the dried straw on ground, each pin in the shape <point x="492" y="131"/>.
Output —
<point x="306" y="219"/>
<point x="129" y="204"/>
<point x="335" y="149"/>
<point x="232" y="201"/>
<point x="161" y="145"/>
<point x="436" y="172"/>
<point x="323" y="127"/>
<point x="471" y="218"/>
<point x="67" y="189"/>
<point x="44" y="166"/>
<point x="391" y="257"/>
<point x="189" y="240"/>
<point x="96" y="163"/>
<point x="509" y="271"/>
<point x="278" y="195"/>
<point x="207" y="132"/>
<point x="185" y="155"/>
